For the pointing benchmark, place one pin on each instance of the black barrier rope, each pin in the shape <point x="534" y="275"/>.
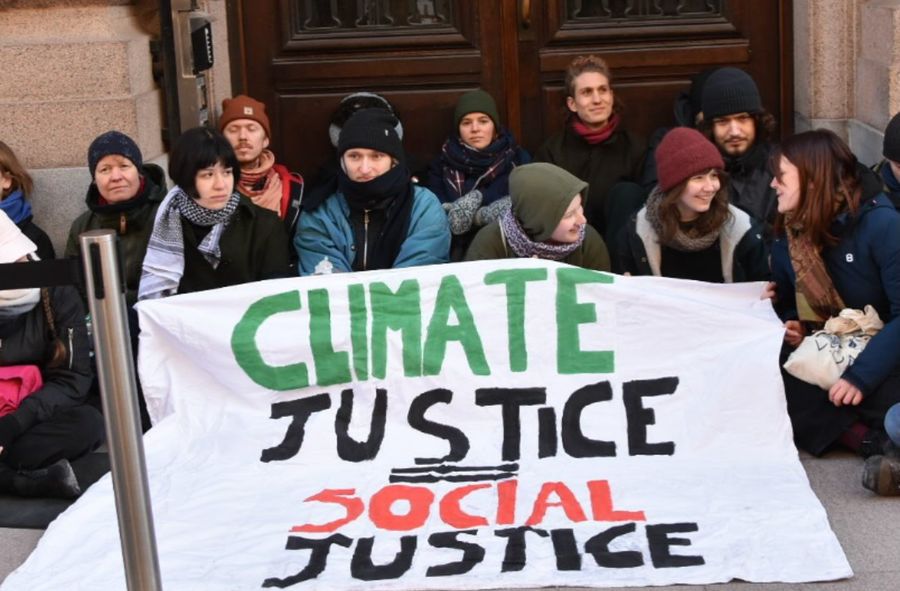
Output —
<point x="41" y="274"/>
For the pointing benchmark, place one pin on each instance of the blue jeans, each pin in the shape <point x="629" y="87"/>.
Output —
<point x="892" y="423"/>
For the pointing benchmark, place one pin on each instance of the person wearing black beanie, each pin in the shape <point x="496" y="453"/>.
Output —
<point x="888" y="170"/>
<point x="376" y="218"/>
<point x="734" y="119"/>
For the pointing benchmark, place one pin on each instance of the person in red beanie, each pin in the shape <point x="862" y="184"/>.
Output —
<point x="265" y="182"/>
<point x="688" y="229"/>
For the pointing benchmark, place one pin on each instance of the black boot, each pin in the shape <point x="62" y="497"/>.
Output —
<point x="881" y="475"/>
<point x="56" y="480"/>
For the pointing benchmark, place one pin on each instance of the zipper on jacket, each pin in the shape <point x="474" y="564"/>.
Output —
<point x="71" y="342"/>
<point x="123" y="224"/>
<point x="366" y="240"/>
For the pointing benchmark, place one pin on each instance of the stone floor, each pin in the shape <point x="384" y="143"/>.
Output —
<point x="867" y="526"/>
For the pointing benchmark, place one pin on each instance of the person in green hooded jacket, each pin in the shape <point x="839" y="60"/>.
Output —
<point x="546" y="221"/>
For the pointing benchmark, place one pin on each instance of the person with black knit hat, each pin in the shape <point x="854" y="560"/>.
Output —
<point x="688" y="229"/>
<point x="265" y="182"/>
<point x="124" y="196"/>
<point x="889" y="168"/>
<point x="471" y="174"/>
<point x="377" y="218"/>
<point x="323" y="182"/>
<point x="736" y="122"/>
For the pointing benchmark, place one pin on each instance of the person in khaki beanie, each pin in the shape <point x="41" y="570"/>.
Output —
<point x="546" y="221"/>
<point x="265" y="182"/>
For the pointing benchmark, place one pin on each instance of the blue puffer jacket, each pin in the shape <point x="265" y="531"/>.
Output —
<point x="865" y="269"/>
<point x="326" y="232"/>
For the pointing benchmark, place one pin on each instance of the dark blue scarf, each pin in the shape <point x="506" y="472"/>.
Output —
<point x="890" y="181"/>
<point x="16" y="207"/>
<point x="466" y="168"/>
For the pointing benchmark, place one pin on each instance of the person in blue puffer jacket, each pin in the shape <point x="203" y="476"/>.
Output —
<point x="837" y="246"/>
<point x="376" y="217"/>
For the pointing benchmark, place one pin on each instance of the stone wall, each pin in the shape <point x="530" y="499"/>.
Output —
<point x="847" y="69"/>
<point x="73" y="69"/>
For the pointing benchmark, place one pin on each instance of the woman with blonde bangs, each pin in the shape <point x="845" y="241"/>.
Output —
<point x="688" y="229"/>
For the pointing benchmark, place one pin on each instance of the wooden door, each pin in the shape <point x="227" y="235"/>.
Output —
<point x="301" y="56"/>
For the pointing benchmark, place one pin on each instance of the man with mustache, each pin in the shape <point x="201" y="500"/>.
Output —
<point x="267" y="184"/>
<point x="735" y="121"/>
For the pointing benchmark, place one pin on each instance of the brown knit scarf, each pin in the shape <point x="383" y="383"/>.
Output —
<point x="817" y="299"/>
<point x="262" y="184"/>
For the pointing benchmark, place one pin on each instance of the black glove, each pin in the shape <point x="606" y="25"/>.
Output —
<point x="9" y="431"/>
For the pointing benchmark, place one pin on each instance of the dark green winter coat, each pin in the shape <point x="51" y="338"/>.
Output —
<point x="541" y="194"/>
<point x="620" y="158"/>
<point x="254" y="247"/>
<point x="132" y="221"/>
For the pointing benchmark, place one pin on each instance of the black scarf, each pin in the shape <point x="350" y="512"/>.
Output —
<point x="756" y="157"/>
<point x="394" y="193"/>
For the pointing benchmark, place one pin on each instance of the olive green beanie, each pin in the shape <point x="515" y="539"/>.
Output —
<point x="541" y="193"/>
<point x="477" y="101"/>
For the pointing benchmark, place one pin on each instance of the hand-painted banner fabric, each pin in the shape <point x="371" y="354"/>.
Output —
<point x="474" y="426"/>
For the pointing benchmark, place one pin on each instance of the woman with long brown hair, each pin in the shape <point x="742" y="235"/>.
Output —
<point x="688" y="229"/>
<point x="45" y="377"/>
<point x="837" y="246"/>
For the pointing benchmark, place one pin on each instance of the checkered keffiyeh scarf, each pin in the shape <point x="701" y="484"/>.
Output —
<point x="525" y="247"/>
<point x="466" y="168"/>
<point x="164" y="261"/>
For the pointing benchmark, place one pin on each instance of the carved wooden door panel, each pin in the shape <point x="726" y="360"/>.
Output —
<point x="301" y="56"/>
<point x="654" y="47"/>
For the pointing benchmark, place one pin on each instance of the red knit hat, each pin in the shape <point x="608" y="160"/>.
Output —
<point x="681" y="154"/>
<point x="244" y="107"/>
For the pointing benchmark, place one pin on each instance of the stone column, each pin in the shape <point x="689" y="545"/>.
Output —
<point x="847" y="69"/>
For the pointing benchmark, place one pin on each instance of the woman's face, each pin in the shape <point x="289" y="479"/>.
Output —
<point x="117" y="178"/>
<point x="363" y="165"/>
<point x="568" y="229"/>
<point x="477" y="130"/>
<point x="5" y="183"/>
<point x="698" y="195"/>
<point x="214" y="186"/>
<point x="787" y="185"/>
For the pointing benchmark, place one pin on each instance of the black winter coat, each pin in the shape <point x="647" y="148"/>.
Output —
<point x="25" y="340"/>
<point x="133" y="223"/>
<point x="254" y="247"/>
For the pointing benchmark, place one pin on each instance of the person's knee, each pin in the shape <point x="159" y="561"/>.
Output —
<point x="69" y="434"/>
<point x="892" y="423"/>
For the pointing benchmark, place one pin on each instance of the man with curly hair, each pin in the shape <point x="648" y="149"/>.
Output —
<point x="735" y="120"/>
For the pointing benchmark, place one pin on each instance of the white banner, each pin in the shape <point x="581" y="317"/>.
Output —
<point x="498" y="424"/>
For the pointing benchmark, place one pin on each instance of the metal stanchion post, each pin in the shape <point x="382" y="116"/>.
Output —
<point x="115" y="370"/>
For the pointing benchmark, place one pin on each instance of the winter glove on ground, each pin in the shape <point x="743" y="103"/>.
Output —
<point x="490" y="213"/>
<point x="461" y="213"/>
